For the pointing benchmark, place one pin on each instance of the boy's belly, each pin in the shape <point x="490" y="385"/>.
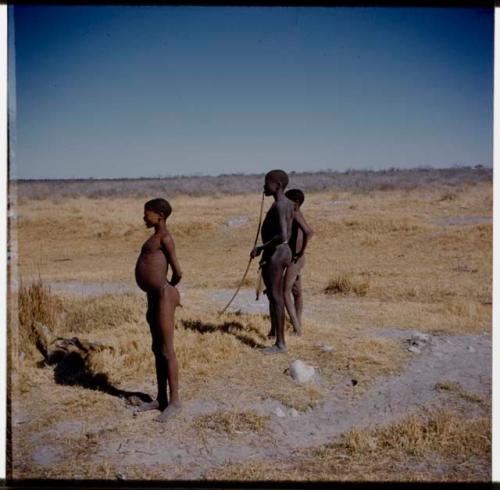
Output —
<point x="151" y="271"/>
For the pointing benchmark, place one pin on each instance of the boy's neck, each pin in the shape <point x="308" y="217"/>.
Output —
<point x="278" y="195"/>
<point x="161" y="226"/>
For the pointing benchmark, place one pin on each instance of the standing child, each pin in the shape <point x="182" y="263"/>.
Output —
<point x="157" y="254"/>
<point x="277" y="255"/>
<point x="298" y="242"/>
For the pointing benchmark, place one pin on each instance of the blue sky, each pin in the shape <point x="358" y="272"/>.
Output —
<point x="158" y="91"/>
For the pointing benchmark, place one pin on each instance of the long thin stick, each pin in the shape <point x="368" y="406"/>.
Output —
<point x="249" y="261"/>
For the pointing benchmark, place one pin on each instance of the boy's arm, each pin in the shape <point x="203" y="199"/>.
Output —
<point x="169" y="249"/>
<point x="277" y="239"/>
<point x="306" y="230"/>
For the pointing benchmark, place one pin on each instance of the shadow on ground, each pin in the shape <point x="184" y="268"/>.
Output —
<point x="71" y="368"/>
<point x="236" y="329"/>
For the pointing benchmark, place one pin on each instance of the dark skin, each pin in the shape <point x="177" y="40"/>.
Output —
<point x="157" y="254"/>
<point x="277" y="256"/>
<point x="301" y="234"/>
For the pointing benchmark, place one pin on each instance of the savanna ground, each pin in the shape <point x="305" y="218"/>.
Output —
<point x="394" y="254"/>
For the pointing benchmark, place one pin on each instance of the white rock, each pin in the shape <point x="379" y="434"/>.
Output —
<point x="300" y="371"/>
<point x="22" y="355"/>
<point x="327" y="348"/>
<point x="471" y="349"/>
<point x="414" y="349"/>
<point x="279" y="412"/>
<point x="294" y="412"/>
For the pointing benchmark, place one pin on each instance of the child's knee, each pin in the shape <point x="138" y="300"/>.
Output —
<point x="168" y="352"/>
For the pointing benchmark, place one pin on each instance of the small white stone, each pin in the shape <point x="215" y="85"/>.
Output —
<point x="471" y="349"/>
<point x="300" y="371"/>
<point x="294" y="412"/>
<point x="327" y="348"/>
<point x="414" y="349"/>
<point x="279" y="412"/>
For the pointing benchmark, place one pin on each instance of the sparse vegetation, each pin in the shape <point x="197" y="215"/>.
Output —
<point x="343" y="284"/>
<point x="406" y="269"/>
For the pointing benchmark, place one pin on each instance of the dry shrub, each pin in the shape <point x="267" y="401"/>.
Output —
<point x="343" y="284"/>
<point x="231" y="423"/>
<point x="109" y="310"/>
<point x="35" y="304"/>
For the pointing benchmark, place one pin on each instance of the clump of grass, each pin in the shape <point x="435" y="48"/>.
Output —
<point x="310" y="397"/>
<point x="109" y="310"/>
<point x="36" y="304"/>
<point x="440" y="432"/>
<point x="231" y="423"/>
<point x="343" y="284"/>
<point x="417" y="448"/>
<point x="457" y="388"/>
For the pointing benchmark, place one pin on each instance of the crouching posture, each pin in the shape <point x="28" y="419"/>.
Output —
<point x="157" y="254"/>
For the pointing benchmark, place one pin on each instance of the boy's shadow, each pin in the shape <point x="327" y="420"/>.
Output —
<point x="233" y="328"/>
<point x="71" y="369"/>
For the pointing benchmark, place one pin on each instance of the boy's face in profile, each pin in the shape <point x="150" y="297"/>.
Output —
<point x="270" y="186"/>
<point x="152" y="218"/>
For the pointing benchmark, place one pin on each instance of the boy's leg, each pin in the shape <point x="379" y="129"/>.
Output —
<point x="297" y="297"/>
<point x="169" y="300"/>
<point x="274" y="283"/>
<point x="291" y="275"/>
<point x="161" y="368"/>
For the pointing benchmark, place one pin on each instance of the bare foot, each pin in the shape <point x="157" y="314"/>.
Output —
<point x="271" y="334"/>
<point x="274" y="350"/>
<point x="297" y="332"/>
<point x="154" y="405"/>
<point x="170" y="412"/>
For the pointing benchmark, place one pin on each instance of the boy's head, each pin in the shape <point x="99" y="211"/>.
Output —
<point x="155" y="210"/>
<point x="273" y="180"/>
<point x="296" y="196"/>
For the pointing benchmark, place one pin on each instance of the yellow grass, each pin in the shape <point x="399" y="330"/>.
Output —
<point x="411" y="450"/>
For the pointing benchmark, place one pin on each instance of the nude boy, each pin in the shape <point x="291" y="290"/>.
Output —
<point x="157" y="254"/>
<point x="276" y="253"/>
<point x="298" y="242"/>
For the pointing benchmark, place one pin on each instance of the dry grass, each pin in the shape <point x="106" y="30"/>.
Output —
<point x="454" y="387"/>
<point x="439" y="446"/>
<point x="231" y="424"/>
<point x="35" y="304"/>
<point x="345" y="285"/>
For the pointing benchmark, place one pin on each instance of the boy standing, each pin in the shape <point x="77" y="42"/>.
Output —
<point x="276" y="253"/>
<point x="157" y="254"/>
<point x="298" y="242"/>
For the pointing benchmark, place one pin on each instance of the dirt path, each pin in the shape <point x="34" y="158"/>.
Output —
<point x="464" y="359"/>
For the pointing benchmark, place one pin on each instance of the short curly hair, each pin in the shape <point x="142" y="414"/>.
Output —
<point x="160" y="206"/>
<point x="295" y="195"/>
<point x="279" y="176"/>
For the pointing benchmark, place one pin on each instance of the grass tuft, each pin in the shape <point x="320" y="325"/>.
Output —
<point x="343" y="284"/>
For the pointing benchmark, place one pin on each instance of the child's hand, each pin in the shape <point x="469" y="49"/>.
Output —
<point x="255" y="252"/>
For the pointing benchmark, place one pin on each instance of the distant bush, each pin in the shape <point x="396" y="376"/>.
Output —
<point x="354" y="180"/>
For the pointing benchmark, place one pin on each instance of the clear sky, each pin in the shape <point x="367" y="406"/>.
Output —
<point x="153" y="91"/>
